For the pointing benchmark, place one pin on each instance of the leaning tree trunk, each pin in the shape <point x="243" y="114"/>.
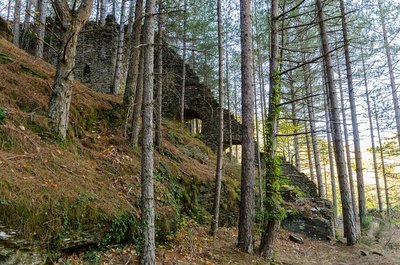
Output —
<point x="272" y="206"/>
<point x="16" y="22"/>
<point x="247" y="199"/>
<point x="72" y="22"/>
<point x="362" y="209"/>
<point x="120" y="49"/>
<point x="148" y="256"/>
<point x="220" y="150"/>
<point x="391" y="71"/>
<point x="348" y="214"/>
<point x="40" y="27"/>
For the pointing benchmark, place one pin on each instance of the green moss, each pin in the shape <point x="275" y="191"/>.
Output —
<point x="4" y="59"/>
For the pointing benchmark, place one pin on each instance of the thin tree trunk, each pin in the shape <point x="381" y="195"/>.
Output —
<point x="102" y="12"/>
<point x="114" y="8"/>
<point x="295" y="125"/>
<point x="40" y="27"/>
<point x="27" y="22"/>
<point x="371" y="129"/>
<point x="9" y="10"/>
<point x="348" y="214"/>
<point x="362" y="209"/>
<point x="228" y="97"/>
<point x="159" y="78"/>
<point x="220" y="150"/>
<point x="131" y="17"/>
<point x="16" y="22"/>
<point x="331" y="162"/>
<point x="97" y="11"/>
<point x="71" y="24"/>
<point x="310" y="106"/>
<point x="268" y="239"/>
<point x="391" y="70"/>
<point x="378" y="129"/>
<point x="120" y="50"/>
<point x="183" y="88"/>
<point x="131" y="80"/>
<point x="346" y="140"/>
<point x="247" y="199"/>
<point x="148" y="256"/>
<point x="137" y="108"/>
<point x="309" y="155"/>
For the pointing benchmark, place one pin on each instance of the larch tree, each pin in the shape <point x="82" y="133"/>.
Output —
<point x="220" y="148"/>
<point x="247" y="198"/>
<point x="147" y="186"/>
<point x="72" y="19"/>
<point x="348" y="214"/>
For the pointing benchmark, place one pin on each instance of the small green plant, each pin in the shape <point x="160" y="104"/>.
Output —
<point x="92" y="258"/>
<point x="3" y="116"/>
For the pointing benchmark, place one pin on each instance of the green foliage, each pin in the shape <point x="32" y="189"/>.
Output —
<point x="3" y="116"/>
<point x="27" y="70"/>
<point x="4" y="59"/>
<point x="92" y="258"/>
<point x="175" y="138"/>
<point x="124" y="228"/>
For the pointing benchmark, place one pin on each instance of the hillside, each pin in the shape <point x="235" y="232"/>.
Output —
<point x="76" y="202"/>
<point x="52" y="190"/>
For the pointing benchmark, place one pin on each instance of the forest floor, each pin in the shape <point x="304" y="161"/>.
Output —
<point x="195" y="246"/>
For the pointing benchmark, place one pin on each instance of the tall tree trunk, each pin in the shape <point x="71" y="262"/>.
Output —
<point x="309" y="155"/>
<point x="348" y="214"/>
<point x="331" y="161"/>
<point x="40" y="27"/>
<point x="183" y="88"/>
<point x="120" y="50"/>
<point x="16" y="22"/>
<point x="228" y="97"/>
<point x="159" y="78"/>
<point x="114" y="9"/>
<point x="131" y="17"/>
<point x="148" y="256"/>
<point x="103" y="4"/>
<point x="131" y="80"/>
<point x="295" y="123"/>
<point x="362" y="208"/>
<point x="220" y="150"/>
<point x="310" y="107"/>
<point x="72" y="22"/>
<point x="137" y="107"/>
<point x="27" y="22"/>
<point x="391" y="70"/>
<point x="346" y="140"/>
<point x="247" y="198"/>
<point x="9" y="10"/>
<point x="371" y="129"/>
<point x="268" y="239"/>
<point x="378" y="129"/>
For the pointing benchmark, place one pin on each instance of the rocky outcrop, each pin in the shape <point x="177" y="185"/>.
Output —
<point x="306" y="212"/>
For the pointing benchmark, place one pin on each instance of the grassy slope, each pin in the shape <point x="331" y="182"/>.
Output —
<point x="47" y="186"/>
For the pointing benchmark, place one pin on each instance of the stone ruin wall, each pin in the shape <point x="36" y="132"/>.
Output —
<point x="95" y="64"/>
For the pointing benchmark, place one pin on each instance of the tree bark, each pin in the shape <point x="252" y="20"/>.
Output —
<point x="182" y="109"/>
<point x="131" y="80"/>
<point x="103" y="4"/>
<point x="362" y="209"/>
<point x="247" y="199"/>
<point x="16" y="22"/>
<point x="120" y="48"/>
<point x="309" y="155"/>
<point x="40" y="27"/>
<point x="295" y="123"/>
<point x="137" y="108"/>
<point x="72" y="22"/>
<point x="220" y="150"/>
<point x="348" y="214"/>
<point x="148" y="256"/>
<point x="346" y="140"/>
<point x="27" y="22"/>
<point x="268" y="239"/>
<point x="159" y="78"/>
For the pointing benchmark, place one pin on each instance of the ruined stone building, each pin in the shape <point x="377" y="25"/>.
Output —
<point x="95" y="63"/>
